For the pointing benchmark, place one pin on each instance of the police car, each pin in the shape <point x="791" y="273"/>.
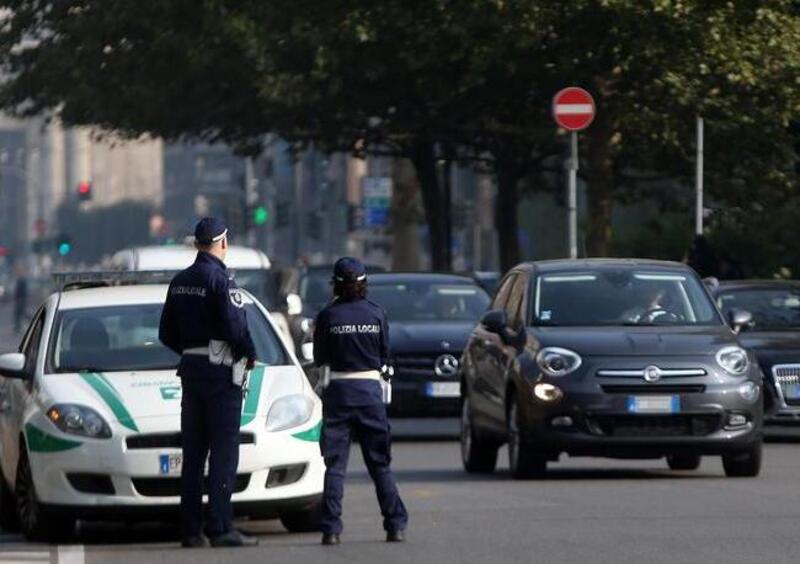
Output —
<point x="90" y="416"/>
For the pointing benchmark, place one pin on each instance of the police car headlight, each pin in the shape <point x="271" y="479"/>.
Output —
<point x="289" y="411"/>
<point x="734" y="360"/>
<point x="79" y="420"/>
<point x="555" y="361"/>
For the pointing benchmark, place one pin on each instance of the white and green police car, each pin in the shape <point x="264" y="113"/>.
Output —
<point x="90" y="418"/>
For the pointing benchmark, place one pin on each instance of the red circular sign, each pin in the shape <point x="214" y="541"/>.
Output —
<point x="573" y="108"/>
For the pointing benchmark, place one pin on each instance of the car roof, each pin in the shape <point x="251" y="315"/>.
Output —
<point x="106" y="296"/>
<point x="561" y="265"/>
<point x="438" y="277"/>
<point x="756" y="284"/>
<point x="178" y="257"/>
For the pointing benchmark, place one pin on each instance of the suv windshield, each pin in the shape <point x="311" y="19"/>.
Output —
<point x="121" y="338"/>
<point x="621" y="297"/>
<point x="430" y="301"/>
<point x="773" y="309"/>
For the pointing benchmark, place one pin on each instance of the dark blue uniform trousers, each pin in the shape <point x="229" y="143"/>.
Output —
<point x="210" y="414"/>
<point x="369" y="425"/>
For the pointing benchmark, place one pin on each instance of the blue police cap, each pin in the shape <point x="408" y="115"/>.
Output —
<point x="349" y="269"/>
<point x="210" y="230"/>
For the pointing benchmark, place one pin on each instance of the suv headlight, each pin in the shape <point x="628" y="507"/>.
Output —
<point x="289" y="411"/>
<point x="733" y="360"/>
<point x="79" y="420"/>
<point x="555" y="361"/>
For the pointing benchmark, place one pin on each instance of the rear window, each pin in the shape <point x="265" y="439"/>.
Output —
<point x="122" y="338"/>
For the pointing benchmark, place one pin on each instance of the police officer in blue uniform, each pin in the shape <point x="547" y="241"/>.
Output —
<point x="204" y="321"/>
<point x="351" y="338"/>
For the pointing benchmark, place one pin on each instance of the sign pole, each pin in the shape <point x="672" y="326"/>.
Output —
<point x="572" y="196"/>
<point x="698" y="218"/>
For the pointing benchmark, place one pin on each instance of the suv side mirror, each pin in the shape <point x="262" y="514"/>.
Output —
<point x="495" y="321"/>
<point x="740" y="319"/>
<point x="12" y="365"/>
<point x="294" y="304"/>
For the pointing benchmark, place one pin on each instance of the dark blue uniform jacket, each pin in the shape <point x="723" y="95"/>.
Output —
<point x="203" y="303"/>
<point x="352" y="336"/>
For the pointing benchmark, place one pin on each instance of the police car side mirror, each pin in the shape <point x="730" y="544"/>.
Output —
<point x="495" y="321"/>
<point x="12" y="365"/>
<point x="294" y="304"/>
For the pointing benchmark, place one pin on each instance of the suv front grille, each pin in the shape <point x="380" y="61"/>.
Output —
<point x="646" y="389"/>
<point x="421" y="364"/>
<point x="787" y="377"/>
<point x="654" y="425"/>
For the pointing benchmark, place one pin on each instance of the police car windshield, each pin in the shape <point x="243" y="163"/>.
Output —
<point x="620" y="297"/>
<point x="259" y="282"/>
<point x="429" y="301"/>
<point x="122" y="338"/>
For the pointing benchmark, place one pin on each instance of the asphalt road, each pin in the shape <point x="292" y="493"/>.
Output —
<point x="587" y="510"/>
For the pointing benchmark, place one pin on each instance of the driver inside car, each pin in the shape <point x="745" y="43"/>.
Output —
<point x="656" y="307"/>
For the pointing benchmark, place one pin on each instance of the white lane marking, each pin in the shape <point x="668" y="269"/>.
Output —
<point x="70" y="554"/>
<point x="572" y="109"/>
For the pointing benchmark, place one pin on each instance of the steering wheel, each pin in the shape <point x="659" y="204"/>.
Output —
<point x="659" y="316"/>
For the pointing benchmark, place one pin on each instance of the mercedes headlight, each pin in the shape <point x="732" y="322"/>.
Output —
<point x="733" y="360"/>
<point x="555" y="361"/>
<point x="79" y="420"/>
<point x="289" y="411"/>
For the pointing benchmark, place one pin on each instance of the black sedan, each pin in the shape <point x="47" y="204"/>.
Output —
<point x="774" y="337"/>
<point x="430" y="319"/>
<point x="614" y="358"/>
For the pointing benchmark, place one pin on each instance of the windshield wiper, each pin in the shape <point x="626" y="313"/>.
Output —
<point x="543" y="323"/>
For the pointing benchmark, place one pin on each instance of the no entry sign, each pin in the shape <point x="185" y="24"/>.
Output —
<point x="573" y="108"/>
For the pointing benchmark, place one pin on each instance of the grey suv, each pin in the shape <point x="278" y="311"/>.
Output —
<point x="613" y="358"/>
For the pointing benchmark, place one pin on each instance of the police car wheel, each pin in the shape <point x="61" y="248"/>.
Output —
<point x="36" y="523"/>
<point x="8" y="508"/>
<point x="303" y="521"/>
<point x="523" y="460"/>
<point x="746" y="464"/>
<point x="683" y="461"/>
<point x="478" y="456"/>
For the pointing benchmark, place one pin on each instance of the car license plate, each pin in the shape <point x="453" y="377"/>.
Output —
<point x="654" y="404"/>
<point x="170" y="464"/>
<point x="443" y="389"/>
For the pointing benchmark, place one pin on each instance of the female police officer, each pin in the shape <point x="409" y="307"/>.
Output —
<point x="351" y="338"/>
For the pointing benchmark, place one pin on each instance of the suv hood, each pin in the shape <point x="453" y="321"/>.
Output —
<point x="636" y="341"/>
<point x="127" y="397"/>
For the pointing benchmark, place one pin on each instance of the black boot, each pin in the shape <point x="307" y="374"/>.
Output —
<point x="395" y="536"/>
<point x="330" y="539"/>
<point x="233" y="538"/>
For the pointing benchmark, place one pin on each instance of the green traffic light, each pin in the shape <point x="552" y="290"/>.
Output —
<point x="64" y="249"/>
<point x="260" y="215"/>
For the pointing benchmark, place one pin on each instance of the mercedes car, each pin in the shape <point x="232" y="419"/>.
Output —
<point x="609" y="358"/>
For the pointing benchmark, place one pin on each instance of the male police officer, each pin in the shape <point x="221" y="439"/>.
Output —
<point x="351" y="338"/>
<point x="204" y="321"/>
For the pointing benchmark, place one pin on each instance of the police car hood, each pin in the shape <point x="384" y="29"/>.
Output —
<point x="127" y="397"/>
<point x="406" y="337"/>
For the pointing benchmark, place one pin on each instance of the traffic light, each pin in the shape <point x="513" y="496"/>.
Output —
<point x="260" y="215"/>
<point x="64" y="244"/>
<point x="84" y="191"/>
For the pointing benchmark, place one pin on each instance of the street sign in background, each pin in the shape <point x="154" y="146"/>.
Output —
<point x="377" y="198"/>
<point x="573" y="108"/>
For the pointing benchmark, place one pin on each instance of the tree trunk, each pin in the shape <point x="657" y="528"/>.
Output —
<point x="405" y="210"/>
<point x="423" y="156"/>
<point x="506" y="216"/>
<point x="600" y="194"/>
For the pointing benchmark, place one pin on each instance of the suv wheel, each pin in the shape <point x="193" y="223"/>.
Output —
<point x="478" y="456"/>
<point x="522" y="459"/>
<point x="743" y="464"/>
<point x="36" y="523"/>
<point x="683" y="461"/>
